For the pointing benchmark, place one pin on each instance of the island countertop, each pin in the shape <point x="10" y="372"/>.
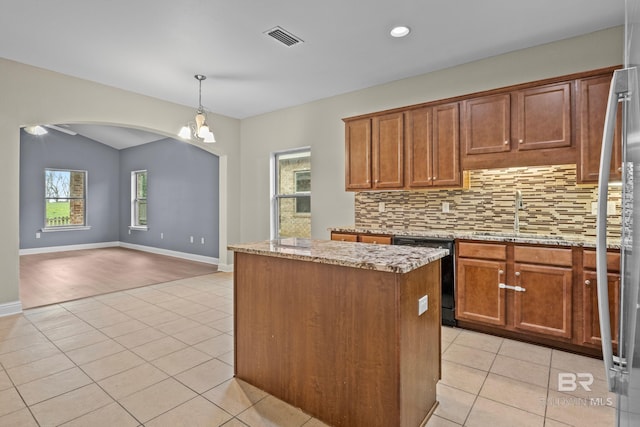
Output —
<point x="394" y="259"/>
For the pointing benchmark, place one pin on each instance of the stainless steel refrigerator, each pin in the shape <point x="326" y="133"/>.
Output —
<point x="623" y="367"/>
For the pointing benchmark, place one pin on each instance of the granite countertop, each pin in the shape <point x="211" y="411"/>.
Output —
<point x="494" y="236"/>
<point x="394" y="259"/>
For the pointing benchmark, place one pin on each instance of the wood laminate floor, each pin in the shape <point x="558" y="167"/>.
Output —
<point x="63" y="276"/>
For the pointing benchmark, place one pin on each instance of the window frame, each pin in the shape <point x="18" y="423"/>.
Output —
<point x="67" y="227"/>
<point x="302" y="193"/>
<point x="275" y="196"/>
<point x="135" y="201"/>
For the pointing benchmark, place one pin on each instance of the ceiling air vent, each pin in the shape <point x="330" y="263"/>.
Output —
<point x="283" y="36"/>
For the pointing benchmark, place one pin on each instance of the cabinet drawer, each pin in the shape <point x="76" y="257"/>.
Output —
<point x="589" y="260"/>
<point x="380" y="240"/>
<point x="548" y="256"/>
<point x="482" y="250"/>
<point x="345" y="237"/>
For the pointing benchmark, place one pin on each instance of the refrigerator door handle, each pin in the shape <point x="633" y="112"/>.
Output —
<point x="617" y="92"/>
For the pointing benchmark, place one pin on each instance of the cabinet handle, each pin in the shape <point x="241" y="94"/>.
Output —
<point x="517" y="274"/>
<point x="513" y="288"/>
<point x="506" y="142"/>
<point x="587" y="282"/>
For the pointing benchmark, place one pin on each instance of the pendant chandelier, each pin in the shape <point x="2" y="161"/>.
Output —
<point x="198" y="129"/>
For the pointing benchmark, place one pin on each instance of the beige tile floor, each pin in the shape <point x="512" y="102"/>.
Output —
<point x="162" y="355"/>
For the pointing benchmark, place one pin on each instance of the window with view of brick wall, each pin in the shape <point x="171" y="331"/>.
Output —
<point x="65" y="198"/>
<point x="291" y="195"/>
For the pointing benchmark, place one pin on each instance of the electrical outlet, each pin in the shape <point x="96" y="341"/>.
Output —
<point x="161" y="235"/>
<point x="423" y="304"/>
<point x="381" y="207"/>
<point x="191" y="239"/>
<point x="445" y="207"/>
<point x="37" y="235"/>
<point x="594" y="208"/>
<point x="611" y="208"/>
<point x="202" y="240"/>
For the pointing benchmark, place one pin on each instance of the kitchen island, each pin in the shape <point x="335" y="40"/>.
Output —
<point x="334" y="328"/>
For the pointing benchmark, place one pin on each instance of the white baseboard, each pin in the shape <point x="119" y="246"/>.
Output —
<point x="183" y="255"/>
<point x="10" y="308"/>
<point x="225" y="268"/>
<point x="50" y="249"/>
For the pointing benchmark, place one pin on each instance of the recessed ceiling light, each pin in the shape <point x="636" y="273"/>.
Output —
<point x="400" y="31"/>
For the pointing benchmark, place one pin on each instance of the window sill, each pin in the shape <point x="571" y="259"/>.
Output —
<point x="55" y="229"/>
<point x="139" y="227"/>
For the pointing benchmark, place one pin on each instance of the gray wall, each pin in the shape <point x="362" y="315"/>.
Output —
<point x="183" y="192"/>
<point x="182" y="196"/>
<point x="60" y="151"/>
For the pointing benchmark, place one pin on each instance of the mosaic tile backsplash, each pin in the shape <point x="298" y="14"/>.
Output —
<point x="553" y="204"/>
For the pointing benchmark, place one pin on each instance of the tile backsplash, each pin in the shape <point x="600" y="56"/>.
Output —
<point x="553" y="204"/>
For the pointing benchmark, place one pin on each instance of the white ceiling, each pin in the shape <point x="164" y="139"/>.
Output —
<point x="154" y="47"/>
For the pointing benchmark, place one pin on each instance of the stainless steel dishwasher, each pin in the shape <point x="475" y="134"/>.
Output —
<point x="447" y="271"/>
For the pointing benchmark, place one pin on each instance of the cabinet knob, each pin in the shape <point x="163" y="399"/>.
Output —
<point x="434" y="178"/>
<point x="520" y="141"/>
<point x="375" y="242"/>
<point x="620" y="169"/>
<point x="517" y="274"/>
<point x="500" y="272"/>
<point x="587" y="282"/>
<point x="506" y="142"/>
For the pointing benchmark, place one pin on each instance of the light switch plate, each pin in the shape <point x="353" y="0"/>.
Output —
<point x="611" y="208"/>
<point x="445" y="207"/>
<point x="423" y="304"/>
<point x="381" y="207"/>
<point x="594" y="208"/>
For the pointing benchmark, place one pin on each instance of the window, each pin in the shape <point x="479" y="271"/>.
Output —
<point x="65" y="199"/>
<point x="302" y="184"/>
<point x="139" y="199"/>
<point x="291" y="194"/>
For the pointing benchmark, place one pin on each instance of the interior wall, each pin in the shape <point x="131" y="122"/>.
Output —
<point x="178" y="177"/>
<point x="319" y="124"/>
<point x="32" y="95"/>
<point x="59" y="151"/>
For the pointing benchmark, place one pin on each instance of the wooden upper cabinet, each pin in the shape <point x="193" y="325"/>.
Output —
<point x="358" y="154"/>
<point x="487" y="124"/>
<point x="592" y="105"/>
<point x="388" y="151"/>
<point x="419" y="151"/>
<point x="433" y="141"/>
<point x="446" y="145"/>
<point x="542" y="117"/>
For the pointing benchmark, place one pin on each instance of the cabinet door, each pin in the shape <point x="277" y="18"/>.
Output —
<point x="358" y="154"/>
<point x="543" y="117"/>
<point x="419" y="151"/>
<point x="446" y="140"/>
<point x="591" y="319"/>
<point x="544" y="303"/>
<point x="388" y="151"/>
<point x="487" y="124"/>
<point x="478" y="296"/>
<point x="592" y="105"/>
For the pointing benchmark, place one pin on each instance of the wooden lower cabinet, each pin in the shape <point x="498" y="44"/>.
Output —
<point x="480" y="298"/>
<point x="520" y="289"/>
<point x="543" y="302"/>
<point x="548" y="294"/>
<point x="591" y="319"/>
<point x="378" y="239"/>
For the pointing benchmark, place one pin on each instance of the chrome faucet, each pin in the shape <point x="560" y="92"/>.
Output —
<point x="519" y="205"/>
